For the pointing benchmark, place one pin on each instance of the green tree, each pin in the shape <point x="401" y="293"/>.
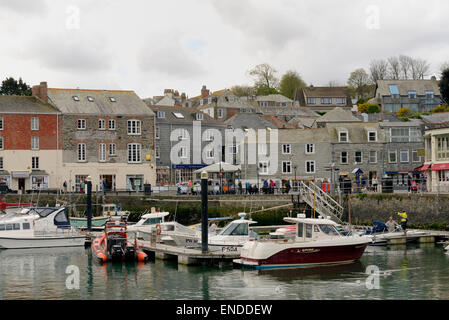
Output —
<point x="265" y="81"/>
<point x="373" y="108"/>
<point x="444" y="85"/>
<point x="10" y="86"/>
<point x="290" y="82"/>
<point x="359" y="82"/>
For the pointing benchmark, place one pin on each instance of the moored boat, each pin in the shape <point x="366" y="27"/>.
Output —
<point x="316" y="242"/>
<point x="108" y="210"/>
<point x="38" y="228"/>
<point x="113" y="244"/>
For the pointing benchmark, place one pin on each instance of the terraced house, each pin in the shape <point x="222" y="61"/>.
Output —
<point x="106" y="134"/>
<point x="417" y="95"/>
<point x="30" y="144"/>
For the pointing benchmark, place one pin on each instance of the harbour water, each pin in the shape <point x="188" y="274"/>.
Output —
<point x="412" y="272"/>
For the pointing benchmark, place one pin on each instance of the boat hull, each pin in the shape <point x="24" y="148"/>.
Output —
<point x="306" y="256"/>
<point x="82" y="222"/>
<point x="41" y="242"/>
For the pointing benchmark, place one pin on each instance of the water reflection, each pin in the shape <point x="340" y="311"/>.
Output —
<point x="406" y="272"/>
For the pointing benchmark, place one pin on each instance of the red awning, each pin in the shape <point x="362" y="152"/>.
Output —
<point x="423" y="168"/>
<point x="440" y="167"/>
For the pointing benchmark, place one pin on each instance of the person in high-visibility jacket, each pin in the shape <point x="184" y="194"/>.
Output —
<point x="404" y="217"/>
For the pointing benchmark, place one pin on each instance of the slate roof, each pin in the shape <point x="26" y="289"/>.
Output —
<point x="357" y="132"/>
<point x="404" y="86"/>
<point x="25" y="104"/>
<point x="338" y="115"/>
<point x="441" y="117"/>
<point x="188" y="113"/>
<point x="303" y="135"/>
<point x="250" y="120"/>
<point x="126" y="102"/>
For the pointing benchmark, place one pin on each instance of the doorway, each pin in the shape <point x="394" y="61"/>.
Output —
<point x="110" y="182"/>
<point x="22" y="185"/>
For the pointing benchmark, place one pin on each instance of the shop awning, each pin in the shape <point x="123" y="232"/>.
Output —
<point x="440" y="167"/>
<point x="20" y="174"/>
<point x="424" y="167"/>
<point x="38" y="173"/>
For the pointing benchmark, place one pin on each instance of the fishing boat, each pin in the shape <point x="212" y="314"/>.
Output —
<point x="38" y="227"/>
<point x="316" y="242"/>
<point x="148" y="220"/>
<point x="113" y="244"/>
<point x="108" y="210"/>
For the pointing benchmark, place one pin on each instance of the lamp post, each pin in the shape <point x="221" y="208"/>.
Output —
<point x="295" y="183"/>
<point x="238" y="175"/>
<point x="257" y="179"/>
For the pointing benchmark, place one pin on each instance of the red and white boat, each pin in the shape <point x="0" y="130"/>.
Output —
<point x="316" y="242"/>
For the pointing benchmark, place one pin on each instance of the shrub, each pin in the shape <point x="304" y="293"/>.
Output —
<point x="373" y="108"/>
<point x="404" y="112"/>
<point x="441" y="109"/>
<point x="368" y="108"/>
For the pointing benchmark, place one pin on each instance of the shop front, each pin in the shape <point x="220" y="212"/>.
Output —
<point x="39" y="180"/>
<point x="134" y="182"/>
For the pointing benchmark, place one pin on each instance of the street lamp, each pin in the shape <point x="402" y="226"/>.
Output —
<point x="295" y="183"/>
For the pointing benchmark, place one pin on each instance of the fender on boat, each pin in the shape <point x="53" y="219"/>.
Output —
<point x="98" y="249"/>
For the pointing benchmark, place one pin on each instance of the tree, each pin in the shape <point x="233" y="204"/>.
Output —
<point x="368" y="108"/>
<point x="444" y="66"/>
<point x="405" y="65"/>
<point x="265" y="80"/>
<point x="359" y="81"/>
<point x="243" y="91"/>
<point x="419" y="68"/>
<point x="290" y="82"/>
<point x="378" y="70"/>
<point x="444" y="86"/>
<point x="10" y="86"/>
<point x="394" y="68"/>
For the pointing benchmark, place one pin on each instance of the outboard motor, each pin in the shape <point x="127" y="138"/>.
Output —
<point x="130" y="253"/>
<point x="116" y="252"/>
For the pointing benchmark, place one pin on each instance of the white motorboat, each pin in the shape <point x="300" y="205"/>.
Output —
<point x="316" y="242"/>
<point x="37" y="227"/>
<point x="148" y="221"/>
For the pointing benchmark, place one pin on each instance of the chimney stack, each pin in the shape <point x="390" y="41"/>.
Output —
<point x="40" y="91"/>
<point x="204" y="92"/>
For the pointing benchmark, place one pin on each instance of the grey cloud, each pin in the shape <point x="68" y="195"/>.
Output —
<point x="24" y="6"/>
<point x="169" y="57"/>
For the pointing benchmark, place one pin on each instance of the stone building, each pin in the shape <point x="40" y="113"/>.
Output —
<point x="106" y="134"/>
<point x="175" y="125"/>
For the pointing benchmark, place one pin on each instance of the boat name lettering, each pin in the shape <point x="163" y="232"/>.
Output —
<point x="307" y="250"/>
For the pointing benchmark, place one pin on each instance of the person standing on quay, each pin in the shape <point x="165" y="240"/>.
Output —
<point x="391" y="224"/>
<point x="404" y="219"/>
<point x="374" y="182"/>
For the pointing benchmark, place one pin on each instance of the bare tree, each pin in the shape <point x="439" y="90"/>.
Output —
<point x="420" y="68"/>
<point x="243" y="90"/>
<point x="265" y="80"/>
<point x="406" y="64"/>
<point x="378" y="70"/>
<point x="394" y="68"/>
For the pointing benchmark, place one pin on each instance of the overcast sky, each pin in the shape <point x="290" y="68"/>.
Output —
<point x="147" y="45"/>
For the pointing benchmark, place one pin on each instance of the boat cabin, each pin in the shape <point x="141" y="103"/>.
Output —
<point x="152" y="218"/>
<point x="308" y="229"/>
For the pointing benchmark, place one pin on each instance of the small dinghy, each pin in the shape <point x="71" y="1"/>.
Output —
<point x="113" y="244"/>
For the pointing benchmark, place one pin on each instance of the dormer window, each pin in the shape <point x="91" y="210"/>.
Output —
<point x="429" y="94"/>
<point x="372" y="136"/>
<point x="161" y="114"/>
<point x="199" y="116"/>
<point x="112" y="99"/>
<point x="343" y="136"/>
<point x="412" y="94"/>
<point x="76" y="98"/>
<point x="91" y="99"/>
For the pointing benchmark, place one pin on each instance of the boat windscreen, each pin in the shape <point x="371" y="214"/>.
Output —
<point x="43" y="212"/>
<point x="329" y="230"/>
<point x="235" y="229"/>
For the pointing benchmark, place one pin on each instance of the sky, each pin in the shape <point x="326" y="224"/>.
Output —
<point x="148" y="46"/>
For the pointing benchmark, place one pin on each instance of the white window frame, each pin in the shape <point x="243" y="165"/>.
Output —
<point x="184" y="134"/>
<point x="287" y="148"/>
<point x="81" y="151"/>
<point x="34" y="143"/>
<point x="308" y="165"/>
<point x="199" y="116"/>
<point x="408" y="156"/>
<point x="395" y="156"/>
<point x="1" y="123"/>
<point x="158" y="132"/>
<point x="286" y="165"/>
<point x="324" y="99"/>
<point x="341" y="157"/>
<point x="160" y="114"/>
<point x="209" y="135"/>
<point x="112" y="149"/>
<point x="263" y="167"/>
<point x="113" y="122"/>
<point x="34" y="123"/>
<point x="101" y="124"/>
<point x="234" y="148"/>
<point x="157" y="152"/>
<point x="369" y="136"/>
<point x="34" y="163"/>
<point x="134" y="127"/>
<point x="102" y="152"/>
<point x="340" y="135"/>
<point x="311" y="100"/>
<point x="134" y="153"/>
<point x="220" y="113"/>
<point x="309" y="146"/>
<point x="2" y="143"/>
<point x="417" y="156"/>
<point x="1" y="163"/>
<point x="81" y="124"/>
